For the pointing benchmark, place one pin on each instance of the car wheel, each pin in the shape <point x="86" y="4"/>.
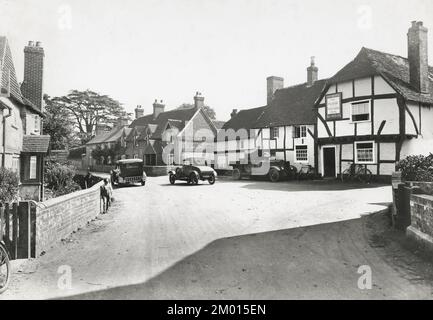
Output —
<point x="274" y="175"/>
<point x="211" y="179"/>
<point x="193" y="178"/>
<point x="236" y="174"/>
<point x="172" y="178"/>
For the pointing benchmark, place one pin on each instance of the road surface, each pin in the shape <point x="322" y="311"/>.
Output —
<point x="233" y="240"/>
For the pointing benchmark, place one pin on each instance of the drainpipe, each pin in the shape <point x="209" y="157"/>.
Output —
<point x="4" y="135"/>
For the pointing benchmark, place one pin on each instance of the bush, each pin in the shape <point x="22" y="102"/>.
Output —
<point x="59" y="178"/>
<point x="8" y="185"/>
<point x="416" y="168"/>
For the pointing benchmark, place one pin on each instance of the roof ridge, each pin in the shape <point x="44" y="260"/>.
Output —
<point x="383" y="52"/>
<point x="301" y="84"/>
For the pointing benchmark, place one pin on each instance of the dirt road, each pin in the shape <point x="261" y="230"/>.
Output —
<point x="244" y="239"/>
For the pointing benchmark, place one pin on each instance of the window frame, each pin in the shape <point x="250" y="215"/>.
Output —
<point x="272" y="134"/>
<point x="360" y="102"/>
<point x="304" y="146"/>
<point x="356" y="152"/>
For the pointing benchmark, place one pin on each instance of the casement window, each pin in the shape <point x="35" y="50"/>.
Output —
<point x="361" y="111"/>
<point x="33" y="167"/>
<point x="301" y="153"/>
<point x="274" y="132"/>
<point x="300" y="132"/>
<point x="333" y="106"/>
<point x="364" y="152"/>
<point x="37" y="123"/>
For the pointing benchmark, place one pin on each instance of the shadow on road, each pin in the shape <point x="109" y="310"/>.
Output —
<point x="314" y="262"/>
<point x="315" y="185"/>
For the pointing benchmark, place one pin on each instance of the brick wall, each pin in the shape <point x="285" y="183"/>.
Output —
<point x="154" y="171"/>
<point x="57" y="218"/>
<point x="421" y="228"/>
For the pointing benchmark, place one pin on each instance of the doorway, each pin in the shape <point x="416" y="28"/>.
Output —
<point x="329" y="162"/>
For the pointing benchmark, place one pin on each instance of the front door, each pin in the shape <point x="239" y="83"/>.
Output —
<point x="329" y="162"/>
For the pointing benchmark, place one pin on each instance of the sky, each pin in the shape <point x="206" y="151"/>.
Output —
<point x="137" y="51"/>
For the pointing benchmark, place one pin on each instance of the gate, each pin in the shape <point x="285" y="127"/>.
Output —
<point x="18" y="228"/>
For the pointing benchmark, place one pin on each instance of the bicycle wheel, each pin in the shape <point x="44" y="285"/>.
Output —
<point x="5" y="269"/>
<point x="364" y="175"/>
<point x="345" y="175"/>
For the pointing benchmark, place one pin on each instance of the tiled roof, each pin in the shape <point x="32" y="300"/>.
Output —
<point x="292" y="106"/>
<point x="139" y="131"/>
<point x="153" y="147"/>
<point x="218" y="124"/>
<point x="35" y="144"/>
<point x="176" y="117"/>
<point x="6" y="62"/>
<point x="394" y="68"/>
<point x="100" y="138"/>
<point x="245" y="119"/>
<point x="117" y="134"/>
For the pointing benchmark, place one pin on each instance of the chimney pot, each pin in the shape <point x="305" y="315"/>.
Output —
<point x="38" y="44"/>
<point x="157" y="108"/>
<point x="312" y="72"/>
<point x="198" y="100"/>
<point x="234" y="112"/>
<point x="31" y="44"/>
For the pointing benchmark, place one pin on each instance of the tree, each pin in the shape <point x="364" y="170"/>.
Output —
<point x="209" y="111"/>
<point x="88" y="108"/>
<point x="58" y="125"/>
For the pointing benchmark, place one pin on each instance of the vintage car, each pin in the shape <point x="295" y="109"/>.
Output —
<point x="192" y="171"/>
<point x="275" y="170"/>
<point x="128" y="171"/>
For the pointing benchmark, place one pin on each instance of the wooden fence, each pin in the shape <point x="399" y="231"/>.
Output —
<point x="18" y="228"/>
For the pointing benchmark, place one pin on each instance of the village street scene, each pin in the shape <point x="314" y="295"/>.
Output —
<point x="160" y="153"/>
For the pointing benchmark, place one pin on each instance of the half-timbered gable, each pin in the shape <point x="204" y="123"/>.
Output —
<point x="371" y="114"/>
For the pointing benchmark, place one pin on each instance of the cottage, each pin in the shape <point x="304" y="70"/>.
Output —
<point x="377" y="110"/>
<point x="22" y="147"/>
<point x="113" y="140"/>
<point x="285" y="127"/>
<point x="167" y="137"/>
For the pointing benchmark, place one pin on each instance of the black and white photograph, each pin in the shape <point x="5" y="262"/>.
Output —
<point x="233" y="151"/>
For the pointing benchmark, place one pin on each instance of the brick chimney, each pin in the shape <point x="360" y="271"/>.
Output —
<point x="312" y="73"/>
<point x="139" y="112"/>
<point x="32" y="86"/>
<point x="158" y="107"/>
<point x="234" y="112"/>
<point x="417" y="55"/>
<point x="273" y="84"/>
<point x="198" y="100"/>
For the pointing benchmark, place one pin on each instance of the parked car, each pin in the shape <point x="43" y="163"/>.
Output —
<point x="192" y="171"/>
<point x="278" y="170"/>
<point x="128" y="171"/>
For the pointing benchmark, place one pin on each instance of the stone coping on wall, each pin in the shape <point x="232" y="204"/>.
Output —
<point x="66" y="197"/>
<point x="426" y="187"/>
